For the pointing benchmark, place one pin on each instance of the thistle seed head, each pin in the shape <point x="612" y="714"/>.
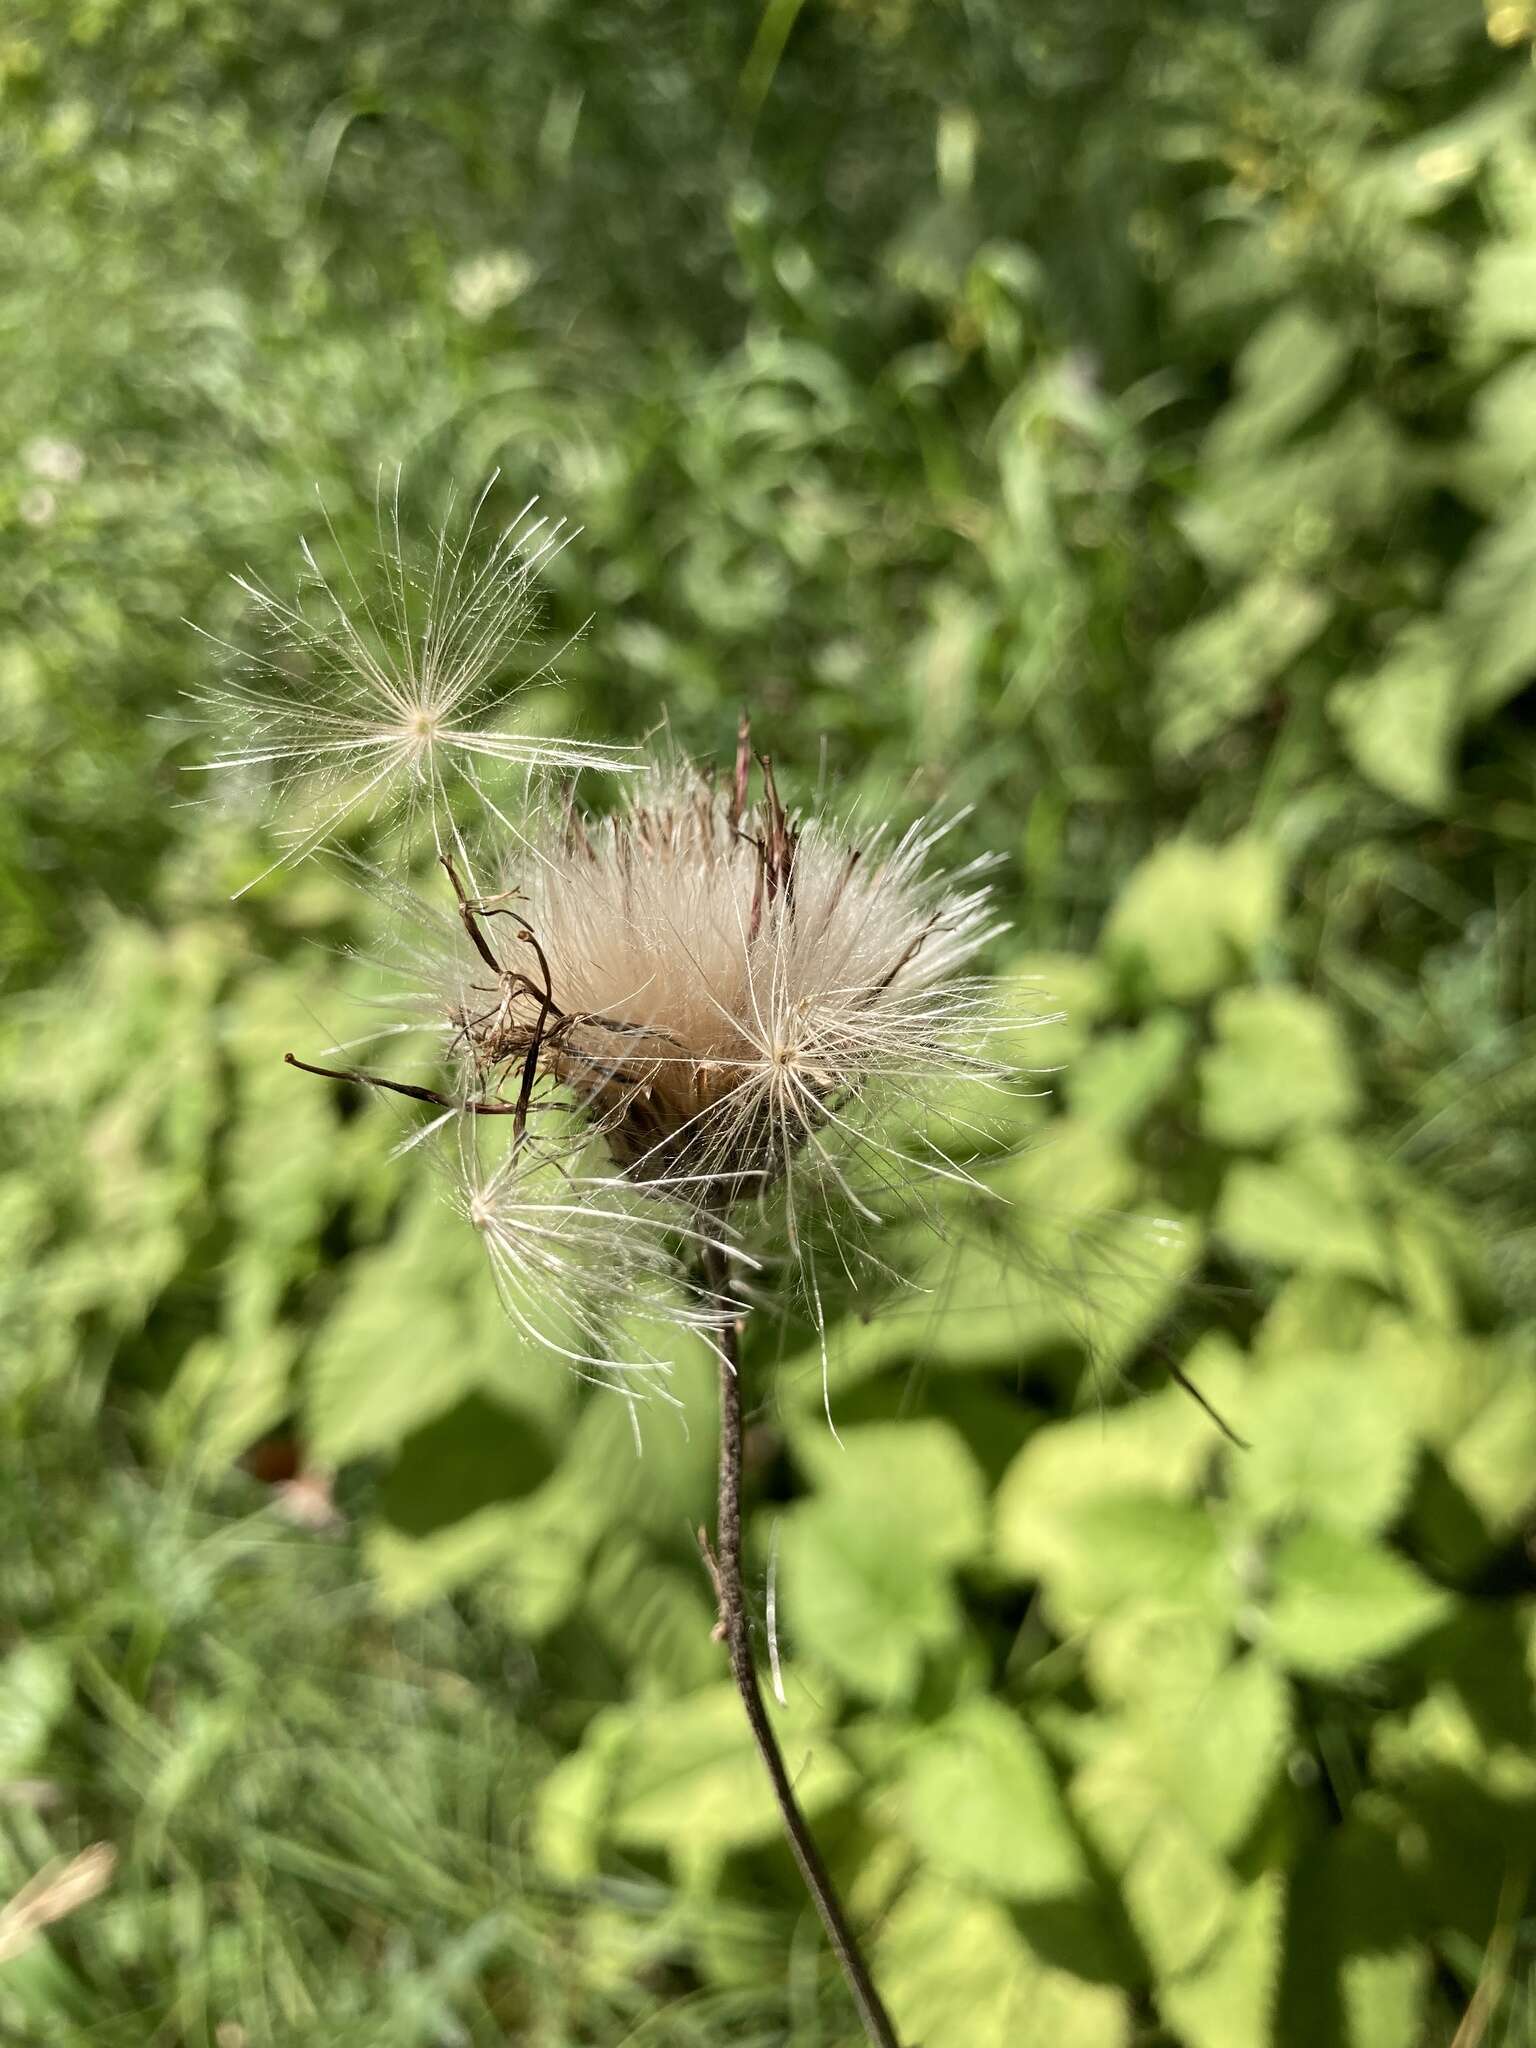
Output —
<point x="720" y="984"/>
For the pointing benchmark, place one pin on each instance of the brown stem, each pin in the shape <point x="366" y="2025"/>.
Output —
<point x="736" y="1627"/>
<point x="400" y="1088"/>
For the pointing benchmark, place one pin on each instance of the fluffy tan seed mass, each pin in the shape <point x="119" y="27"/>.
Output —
<point x="720" y="985"/>
<point x="730" y="1000"/>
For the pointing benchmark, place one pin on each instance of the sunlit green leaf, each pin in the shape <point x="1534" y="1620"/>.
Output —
<point x="1324" y="1437"/>
<point x="957" y="1971"/>
<point x="1217" y="670"/>
<point x="863" y="1597"/>
<point x="1113" y="1549"/>
<point x="419" y="1327"/>
<point x="1191" y="916"/>
<point x="1228" y="2000"/>
<point x="917" y="1477"/>
<point x="1494" y="1459"/>
<point x="982" y="1804"/>
<point x="1383" y="1997"/>
<point x="35" y="1689"/>
<point x="1178" y="1892"/>
<point x="1311" y="1208"/>
<point x="1501" y="301"/>
<point x="1402" y="721"/>
<point x="1124" y="1074"/>
<point x="1284" y="373"/>
<point x="1279" y="1065"/>
<point x="1230" y="1749"/>
<point x="1159" y="1445"/>
<point x="1492" y="605"/>
<point x="688" y="1777"/>
<point x="1339" y="1601"/>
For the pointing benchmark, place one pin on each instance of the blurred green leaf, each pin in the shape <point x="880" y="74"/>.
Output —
<point x="1120" y="1548"/>
<point x="1121" y="1078"/>
<point x="1292" y="508"/>
<point x="1279" y="1065"/>
<point x="1440" y="1380"/>
<point x="35" y="1691"/>
<point x="979" y="1800"/>
<point x="417" y="1328"/>
<point x="1383" y="1997"/>
<point x="532" y="1556"/>
<point x="1501" y="296"/>
<point x="1228" y="1749"/>
<point x="574" y="1800"/>
<point x="1065" y="995"/>
<point x="918" y="1477"/>
<point x="1178" y="1893"/>
<point x="865" y="1598"/>
<point x="1291" y="366"/>
<point x="956" y="1971"/>
<point x="1494" y="1459"/>
<point x="1228" y="2001"/>
<point x="1217" y="670"/>
<point x="1191" y="917"/>
<point x="1325" y="1437"/>
<point x="1492" y="609"/>
<point x="1311" y="1208"/>
<point x="1157" y="1657"/>
<point x="1401" y="722"/>
<point x="1160" y="1444"/>
<point x="227" y="1395"/>
<point x="1339" y="1601"/>
<point x="688" y="1779"/>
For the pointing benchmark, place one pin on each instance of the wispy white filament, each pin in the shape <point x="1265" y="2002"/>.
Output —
<point x="373" y="701"/>
<point x="583" y="1268"/>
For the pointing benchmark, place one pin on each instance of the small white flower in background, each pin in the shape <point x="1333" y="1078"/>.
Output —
<point x="54" y="461"/>
<point x="37" y="506"/>
<point x="484" y="284"/>
<point x="369" y="704"/>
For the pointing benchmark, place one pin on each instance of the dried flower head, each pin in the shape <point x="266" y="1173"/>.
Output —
<point x="729" y="998"/>
<point x="372" y="704"/>
<point x="722" y="985"/>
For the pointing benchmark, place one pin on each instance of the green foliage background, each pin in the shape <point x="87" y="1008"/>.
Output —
<point x="1123" y="424"/>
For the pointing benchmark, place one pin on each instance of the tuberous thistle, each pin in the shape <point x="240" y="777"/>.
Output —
<point x="650" y="1026"/>
<point x="729" y="998"/>
<point x="653" y="1025"/>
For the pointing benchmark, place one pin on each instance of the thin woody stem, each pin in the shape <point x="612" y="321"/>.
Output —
<point x="400" y="1088"/>
<point x="736" y="1627"/>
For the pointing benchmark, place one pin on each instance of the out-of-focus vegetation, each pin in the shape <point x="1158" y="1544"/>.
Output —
<point x="1123" y="425"/>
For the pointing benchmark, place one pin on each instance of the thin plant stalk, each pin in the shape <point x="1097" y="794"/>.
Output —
<point x="736" y="1628"/>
